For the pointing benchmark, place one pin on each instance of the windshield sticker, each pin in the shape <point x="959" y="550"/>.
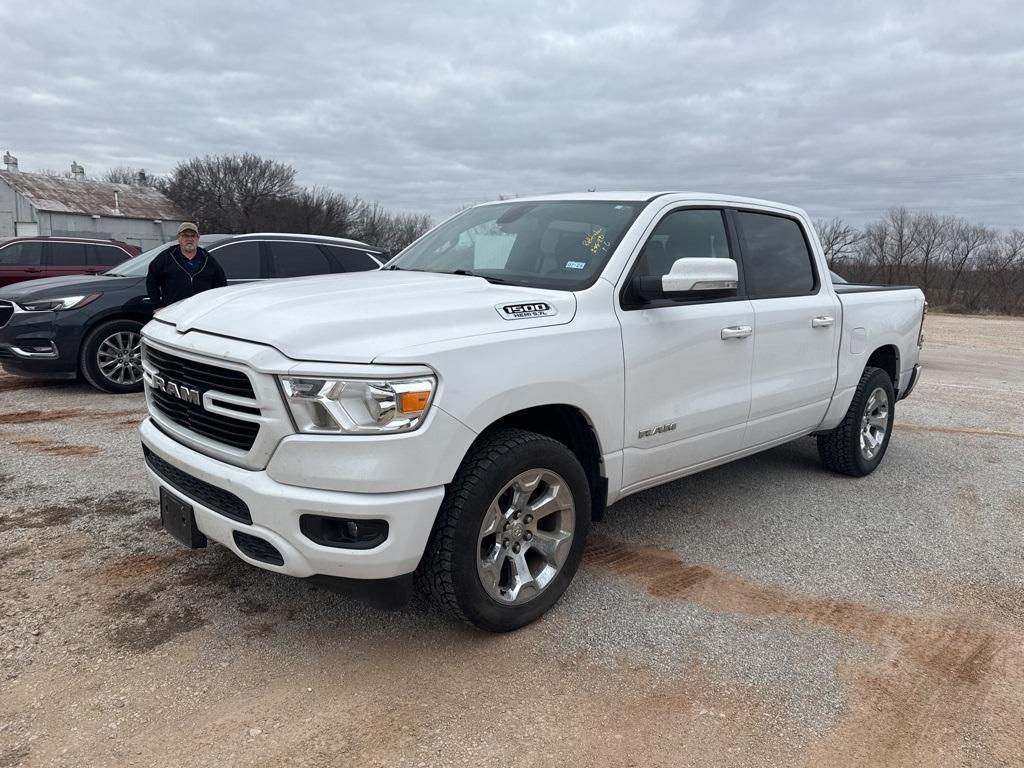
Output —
<point x="575" y="265"/>
<point x="526" y="310"/>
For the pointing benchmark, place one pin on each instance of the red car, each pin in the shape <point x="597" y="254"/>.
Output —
<point x="28" y="258"/>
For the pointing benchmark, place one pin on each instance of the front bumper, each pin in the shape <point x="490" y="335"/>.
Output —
<point x="30" y="344"/>
<point x="275" y="510"/>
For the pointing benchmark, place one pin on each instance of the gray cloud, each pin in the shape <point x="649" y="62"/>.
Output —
<point x="845" y="109"/>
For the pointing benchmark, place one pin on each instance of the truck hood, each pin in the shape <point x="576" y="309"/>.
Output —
<point x="358" y="317"/>
<point x="54" y="287"/>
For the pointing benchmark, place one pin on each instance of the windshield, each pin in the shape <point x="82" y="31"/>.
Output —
<point x="553" y="244"/>
<point x="139" y="265"/>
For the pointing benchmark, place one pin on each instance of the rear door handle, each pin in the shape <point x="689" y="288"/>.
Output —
<point x="33" y="269"/>
<point x="737" y="332"/>
<point x="822" y="322"/>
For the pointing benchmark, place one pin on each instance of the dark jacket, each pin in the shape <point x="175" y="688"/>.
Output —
<point x="169" y="280"/>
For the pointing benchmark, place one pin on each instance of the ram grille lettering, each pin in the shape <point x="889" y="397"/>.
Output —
<point x="179" y="391"/>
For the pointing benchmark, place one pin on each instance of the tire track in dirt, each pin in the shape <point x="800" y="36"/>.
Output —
<point x="934" y="676"/>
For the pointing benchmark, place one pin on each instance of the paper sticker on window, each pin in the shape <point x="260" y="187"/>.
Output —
<point x="575" y="265"/>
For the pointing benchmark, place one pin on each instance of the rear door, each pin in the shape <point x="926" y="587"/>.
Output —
<point x="21" y="261"/>
<point x="294" y="258"/>
<point x="241" y="261"/>
<point x="66" y="258"/>
<point x="687" y="363"/>
<point x="797" y="320"/>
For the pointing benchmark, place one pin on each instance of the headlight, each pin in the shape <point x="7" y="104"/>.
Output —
<point x="56" y="305"/>
<point x="358" y="406"/>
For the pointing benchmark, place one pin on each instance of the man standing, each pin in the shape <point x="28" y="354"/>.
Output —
<point x="182" y="270"/>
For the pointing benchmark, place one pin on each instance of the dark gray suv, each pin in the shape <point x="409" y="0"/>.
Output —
<point x="89" y="325"/>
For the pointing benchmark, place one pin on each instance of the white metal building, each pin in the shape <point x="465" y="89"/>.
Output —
<point x="38" y="204"/>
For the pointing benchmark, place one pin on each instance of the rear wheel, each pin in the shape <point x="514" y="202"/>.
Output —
<point x="510" y="533"/>
<point x="857" y="445"/>
<point x="111" y="357"/>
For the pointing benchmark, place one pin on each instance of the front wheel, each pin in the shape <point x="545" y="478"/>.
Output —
<point x="857" y="445"/>
<point x="510" y="532"/>
<point x="111" y="357"/>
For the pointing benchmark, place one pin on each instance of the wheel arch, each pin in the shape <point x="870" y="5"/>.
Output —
<point x="572" y="427"/>
<point x="888" y="359"/>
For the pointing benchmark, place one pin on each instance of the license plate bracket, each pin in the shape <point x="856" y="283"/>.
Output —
<point x="178" y="519"/>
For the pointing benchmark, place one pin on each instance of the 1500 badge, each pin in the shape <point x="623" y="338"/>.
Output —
<point x="526" y="310"/>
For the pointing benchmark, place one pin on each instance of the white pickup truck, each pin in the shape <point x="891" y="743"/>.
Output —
<point x="461" y="416"/>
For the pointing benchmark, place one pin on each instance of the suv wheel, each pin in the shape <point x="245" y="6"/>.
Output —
<point x="111" y="358"/>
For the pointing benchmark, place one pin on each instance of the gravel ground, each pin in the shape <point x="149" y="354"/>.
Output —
<point x="762" y="613"/>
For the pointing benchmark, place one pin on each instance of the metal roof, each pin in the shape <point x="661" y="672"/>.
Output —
<point x="62" y="195"/>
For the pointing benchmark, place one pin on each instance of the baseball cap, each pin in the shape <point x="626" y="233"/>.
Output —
<point x="187" y="225"/>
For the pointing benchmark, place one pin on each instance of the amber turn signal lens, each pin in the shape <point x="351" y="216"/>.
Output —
<point x="413" y="402"/>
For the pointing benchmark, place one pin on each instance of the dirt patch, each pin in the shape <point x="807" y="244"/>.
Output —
<point x="31" y="417"/>
<point x="121" y="503"/>
<point x="935" y="672"/>
<point x="9" y="758"/>
<point x="56" y="449"/>
<point x="11" y="554"/>
<point x="13" y="383"/>
<point x="901" y="427"/>
<point x="155" y="629"/>
<point x="39" y="517"/>
<point x="132" y="567"/>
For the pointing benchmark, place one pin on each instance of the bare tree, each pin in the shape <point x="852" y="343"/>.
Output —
<point x="838" y="240"/>
<point x="931" y="239"/>
<point x="231" y="193"/>
<point x="126" y="174"/>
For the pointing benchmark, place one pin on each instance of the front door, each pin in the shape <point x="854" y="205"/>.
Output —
<point x="687" y="364"/>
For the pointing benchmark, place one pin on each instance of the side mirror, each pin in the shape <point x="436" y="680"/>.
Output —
<point x="691" y="279"/>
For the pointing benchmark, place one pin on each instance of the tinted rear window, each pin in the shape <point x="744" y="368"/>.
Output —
<point x="240" y="261"/>
<point x="69" y="254"/>
<point x="293" y="259"/>
<point x="776" y="258"/>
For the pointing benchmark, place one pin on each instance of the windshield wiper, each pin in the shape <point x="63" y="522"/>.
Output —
<point x="470" y="273"/>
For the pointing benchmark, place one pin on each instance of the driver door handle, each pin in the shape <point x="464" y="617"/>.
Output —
<point x="737" y="332"/>
<point x="822" y="322"/>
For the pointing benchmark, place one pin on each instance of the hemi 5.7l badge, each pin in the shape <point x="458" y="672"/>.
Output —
<point x="526" y="310"/>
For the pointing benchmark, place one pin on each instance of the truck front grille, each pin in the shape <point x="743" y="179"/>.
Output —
<point x="199" y="375"/>
<point x="202" y="377"/>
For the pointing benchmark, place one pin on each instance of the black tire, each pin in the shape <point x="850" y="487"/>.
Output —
<point x="448" y="573"/>
<point x="121" y="376"/>
<point x="843" y="450"/>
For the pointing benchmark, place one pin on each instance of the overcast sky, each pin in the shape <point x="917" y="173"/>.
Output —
<point x="844" y="109"/>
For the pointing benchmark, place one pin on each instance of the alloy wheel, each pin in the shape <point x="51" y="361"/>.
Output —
<point x="525" y="536"/>
<point x="119" y="358"/>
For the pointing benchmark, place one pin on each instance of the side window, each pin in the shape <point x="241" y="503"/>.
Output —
<point x="353" y="260"/>
<point x="686" y="234"/>
<point x="106" y="255"/>
<point x="22" y="255"/>
<point x="776" y="258"/>
<point x="298" y="259"/>
<point x="240" y="261"/>
<point x="69" y="254"/>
